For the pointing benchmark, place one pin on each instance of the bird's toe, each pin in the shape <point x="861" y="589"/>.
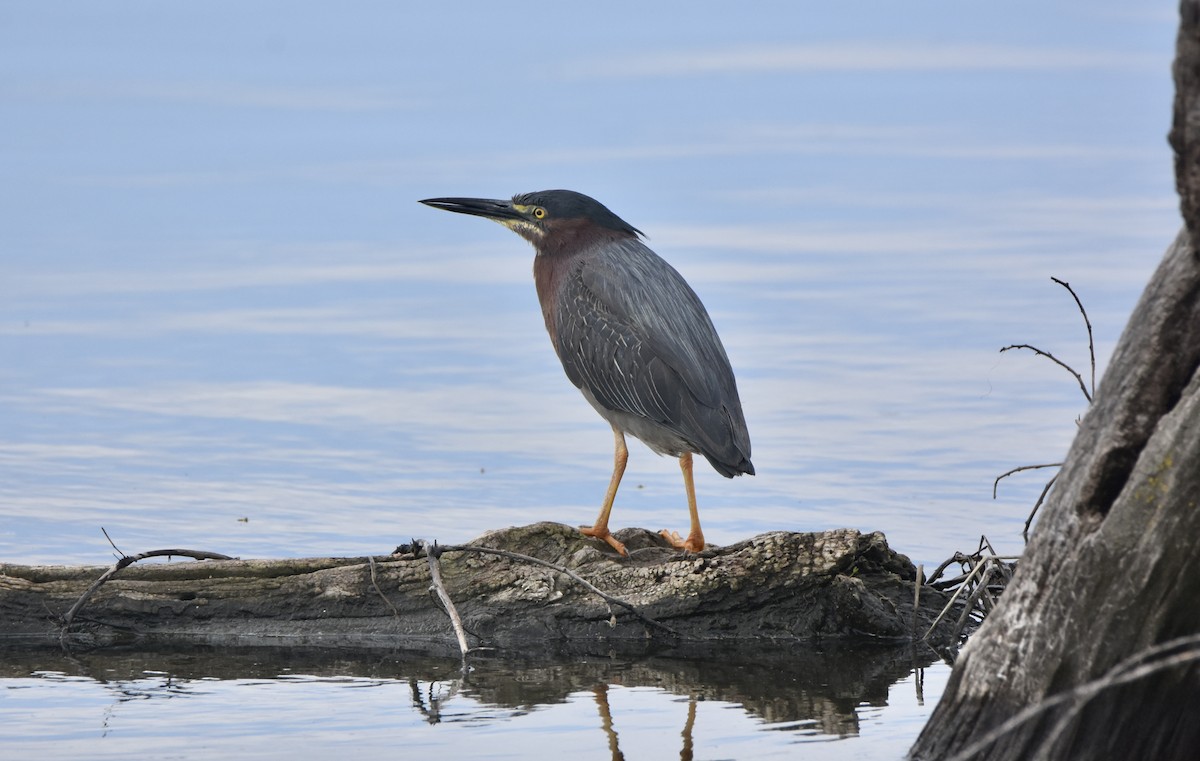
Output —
<point x="691" y="544"/>
<point x="607" y="537"/>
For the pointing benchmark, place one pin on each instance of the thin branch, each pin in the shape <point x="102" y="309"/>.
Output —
<point x="112" y="543"/>
<point x="975" y="598"/>
<point x="957" y="557"/>
<point x="1088" y="323"/>
<point x="1005" y="572"/>
<point x="986" y="544"/>
<point x="981" y="572"/>
<point x="124" y="562"/>
<point x="375" y="583"/>
<point x="942" y="586"/>
<point x="912" y="635"/>
<point x="434" y="553"/>
<point x="1041" y="498"/>
<point x="996" y="483"/>
<point x="1086" y="393"/>
<point x="1056" y="361"/>
<point x="974" y="571"/>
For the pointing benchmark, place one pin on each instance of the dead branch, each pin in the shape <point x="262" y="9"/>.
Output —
<point x="1036" y="505"/>
<point x="1088" y="395"/>
<point x="1091" y="347"/>
<point x="1088" y="323"/>
<point x="124" y="562"/>
<point x="1056" y="361"/>
<point x="957" y="592"/>
<point x="433" y="554"/>
<point x="932" y="579"/>
<point x="917" y="599"/>
<point x="1006" y="474"/>
<point x="375" y="583"/>
<point x="986" y="575"/>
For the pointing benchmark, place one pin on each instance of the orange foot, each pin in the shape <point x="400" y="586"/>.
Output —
<point x="602" y="533"/>
<point x="693" y="543"/>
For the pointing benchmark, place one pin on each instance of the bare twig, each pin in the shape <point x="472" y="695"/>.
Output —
<point x="974" y="571"/>
<point x="917" y="601"/>
<point x="976" y="597"/>
<point x="434" y="553"/>
<point x="1088" y="394"/>
<point x="1056" y="361"/>
<point x="1091" y="347"/>
<point x="122" y="563"/>
<point x="983" y="571"/>
<point x="375" y="583"/>
<point x="985" y="544"/>
<point x="957" y="557"/>
<point x="996" y="483"/>
<point x="1088" y="323"/>
<point x="1041" y="498"/>
<point x="111" y="542"/>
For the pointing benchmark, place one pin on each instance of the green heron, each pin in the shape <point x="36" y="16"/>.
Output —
<point x="632" y="336"/>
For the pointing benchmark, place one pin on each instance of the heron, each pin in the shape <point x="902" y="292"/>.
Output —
<point x="632" y="336"/>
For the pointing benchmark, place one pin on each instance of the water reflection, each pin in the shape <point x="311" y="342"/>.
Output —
<point x="677" y="702"/>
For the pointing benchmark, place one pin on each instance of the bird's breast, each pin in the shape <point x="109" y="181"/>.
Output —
<point x="549" y="273"/>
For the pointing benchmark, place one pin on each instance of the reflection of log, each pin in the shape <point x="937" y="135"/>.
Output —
<point x="780" y="586"/>
<point x="819" y="687"/>
<point x="1064" y="667"/>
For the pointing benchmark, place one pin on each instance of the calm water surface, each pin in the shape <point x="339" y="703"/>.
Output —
<point x="226" y="324"/>
<point x="306" y="705"/>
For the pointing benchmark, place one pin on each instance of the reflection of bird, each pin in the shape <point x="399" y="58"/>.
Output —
<point x="631" y="335"/>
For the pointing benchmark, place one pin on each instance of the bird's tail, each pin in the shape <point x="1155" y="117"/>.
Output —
<point x="742" y="467"/>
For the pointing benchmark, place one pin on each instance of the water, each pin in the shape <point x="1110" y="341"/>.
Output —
<point x="226" y="324"/>
<point x="308" y="705"/>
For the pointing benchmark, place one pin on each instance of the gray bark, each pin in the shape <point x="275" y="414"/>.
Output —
<point x="1112" y="568"/>
<point x="781" y="586"/>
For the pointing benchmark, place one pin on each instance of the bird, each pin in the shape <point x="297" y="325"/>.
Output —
<point x="632" y="336"/>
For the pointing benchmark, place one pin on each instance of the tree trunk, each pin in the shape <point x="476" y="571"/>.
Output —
<point x="1112" y="569"/>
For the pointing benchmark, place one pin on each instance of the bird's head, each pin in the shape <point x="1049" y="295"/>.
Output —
<point x="552" y="220"/>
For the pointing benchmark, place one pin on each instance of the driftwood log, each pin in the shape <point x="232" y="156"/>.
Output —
<point x="1094" y="650"/>
<point x="778" y="586"/>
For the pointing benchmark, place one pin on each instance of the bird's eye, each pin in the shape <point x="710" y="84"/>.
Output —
<point x="539" y="212"/>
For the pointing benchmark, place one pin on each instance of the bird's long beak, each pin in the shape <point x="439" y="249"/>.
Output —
<point x="499" y="211"/>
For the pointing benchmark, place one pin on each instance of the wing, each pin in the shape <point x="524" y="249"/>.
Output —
<point x="633" y="333"/>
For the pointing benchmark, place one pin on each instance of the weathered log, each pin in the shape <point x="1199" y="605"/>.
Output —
<point x="782" y="586"/>
<point x="1092" y="652"/>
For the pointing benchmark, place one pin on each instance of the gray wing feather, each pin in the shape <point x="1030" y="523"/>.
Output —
<point x="632" y="332"/>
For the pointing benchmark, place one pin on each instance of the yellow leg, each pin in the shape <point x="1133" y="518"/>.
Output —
<point x="695" y="537"/>
<point x="600" y="529"/>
